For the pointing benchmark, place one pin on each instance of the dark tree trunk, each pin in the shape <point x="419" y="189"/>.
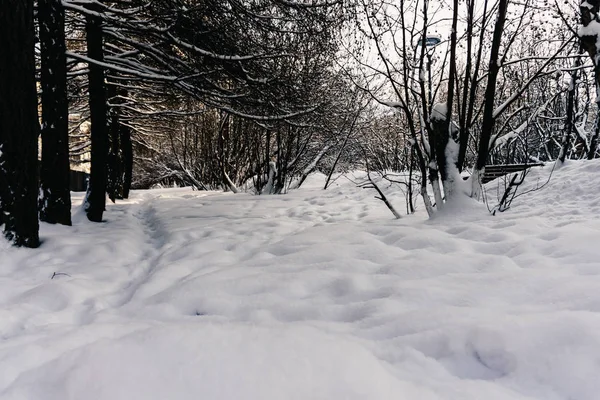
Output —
<point x="127" y="150"/>
<point x="114" y="175"/>
<point x="590" y="13"/>
<point x="409" y="203"/>
<point x="55" y="197"/>
<point x="487" y="125"/>
<point x="439" y="130"/>
<point x="96" y="196"/>
<point x="114" y="167"/>
<point x="19" y="127"/>
<point x="281" y="166"/>
<point x="447" y="128"/>
<point x="462" y="115"/>
<point x="594" y="142"/>
<point x="567" y="138"/>
<point x="339" y="155"/>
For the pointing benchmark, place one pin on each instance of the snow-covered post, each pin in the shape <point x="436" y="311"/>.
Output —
<point x="589" y="34"/>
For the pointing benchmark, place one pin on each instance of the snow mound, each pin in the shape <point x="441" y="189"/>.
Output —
<point x="210" y="361"/>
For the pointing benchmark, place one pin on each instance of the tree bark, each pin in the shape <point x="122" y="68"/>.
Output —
<point x="567" y="137"/>
<point x="127" y="150"/>
<point x="55" y="197"/>
<point x="114" y="167"/>
<point x="487" y="125"/>
<point x="96" y="196"/>
<point x="444" y="168"/>
<point x="462" y="115"/>
<point x="19" y="127"/>
<point x="590" y="12"/>
<point x="594" y="141"/>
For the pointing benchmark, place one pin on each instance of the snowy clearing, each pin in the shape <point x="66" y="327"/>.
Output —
<point x="311" y="295"/>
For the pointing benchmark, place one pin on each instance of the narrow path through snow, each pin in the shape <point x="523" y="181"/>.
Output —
<point x="312" y="295"/>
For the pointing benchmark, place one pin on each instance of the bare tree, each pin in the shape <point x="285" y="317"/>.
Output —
<point x="487" y="124"/>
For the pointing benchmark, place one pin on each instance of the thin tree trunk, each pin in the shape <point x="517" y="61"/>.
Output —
<point x="589" y="14"/>
<point x="409" y="203"/>
<point x="448" y="168"/>
<point x="19" y="128"/>
<point x="342" y="148"/>
<point x="337" y="159"/>
<point x="487" y="125"/>
<point x="594" y="142"/>
<point x="311" y="167"/>
<point x="568" y="135"/>
<point x="114" y="167"/>
<point x="55" y="196"/>
<point x="473" y="91"/>
<point x="464" y="131"/>
<point x="127" y="150"/>
<point x="96" y="196"/>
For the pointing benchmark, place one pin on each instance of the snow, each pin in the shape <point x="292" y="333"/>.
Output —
<point x="141" y="74"/>
<point x="392" y="104"/>
<point x="316" y="294"/>
<point x="591" y="29"/>
<point x="439" y="111"/>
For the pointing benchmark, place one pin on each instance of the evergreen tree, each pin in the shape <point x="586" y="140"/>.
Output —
<point x="55" y="197"/>
<point x="19" y="127"/>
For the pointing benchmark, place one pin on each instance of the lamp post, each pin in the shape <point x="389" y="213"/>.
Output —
<point x="431" y="41"/>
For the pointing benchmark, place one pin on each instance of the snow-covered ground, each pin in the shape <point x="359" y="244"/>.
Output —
<point x="311" y="295"/>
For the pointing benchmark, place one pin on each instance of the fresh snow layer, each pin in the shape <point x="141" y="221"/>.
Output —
<point x="310" y="295"/>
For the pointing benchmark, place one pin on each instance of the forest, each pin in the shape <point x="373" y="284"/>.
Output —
<point x="254" y="96"/>
<point x="299" y="200"/>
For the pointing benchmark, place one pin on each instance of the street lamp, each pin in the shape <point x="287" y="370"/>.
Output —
<point x="431" y="41"/>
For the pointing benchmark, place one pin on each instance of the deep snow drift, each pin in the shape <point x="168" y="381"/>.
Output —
<point x="311" y="295"/>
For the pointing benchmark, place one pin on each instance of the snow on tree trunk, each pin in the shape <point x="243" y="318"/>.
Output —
<point x="55" y="196"/>
<point x="440" y="133"/>
<point x="435" y="185"/>
<point x="311" y="167"/>
<point x="589" y="33"/>
<point x="452" y="174"/>
<point x="230" y="183"/>
<point x="270" y="185"/>
<point x="19" y="127"/>
<point x="476" y="184"/>
<point x="446" y="149"/>
<point x="426" y="200"/>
